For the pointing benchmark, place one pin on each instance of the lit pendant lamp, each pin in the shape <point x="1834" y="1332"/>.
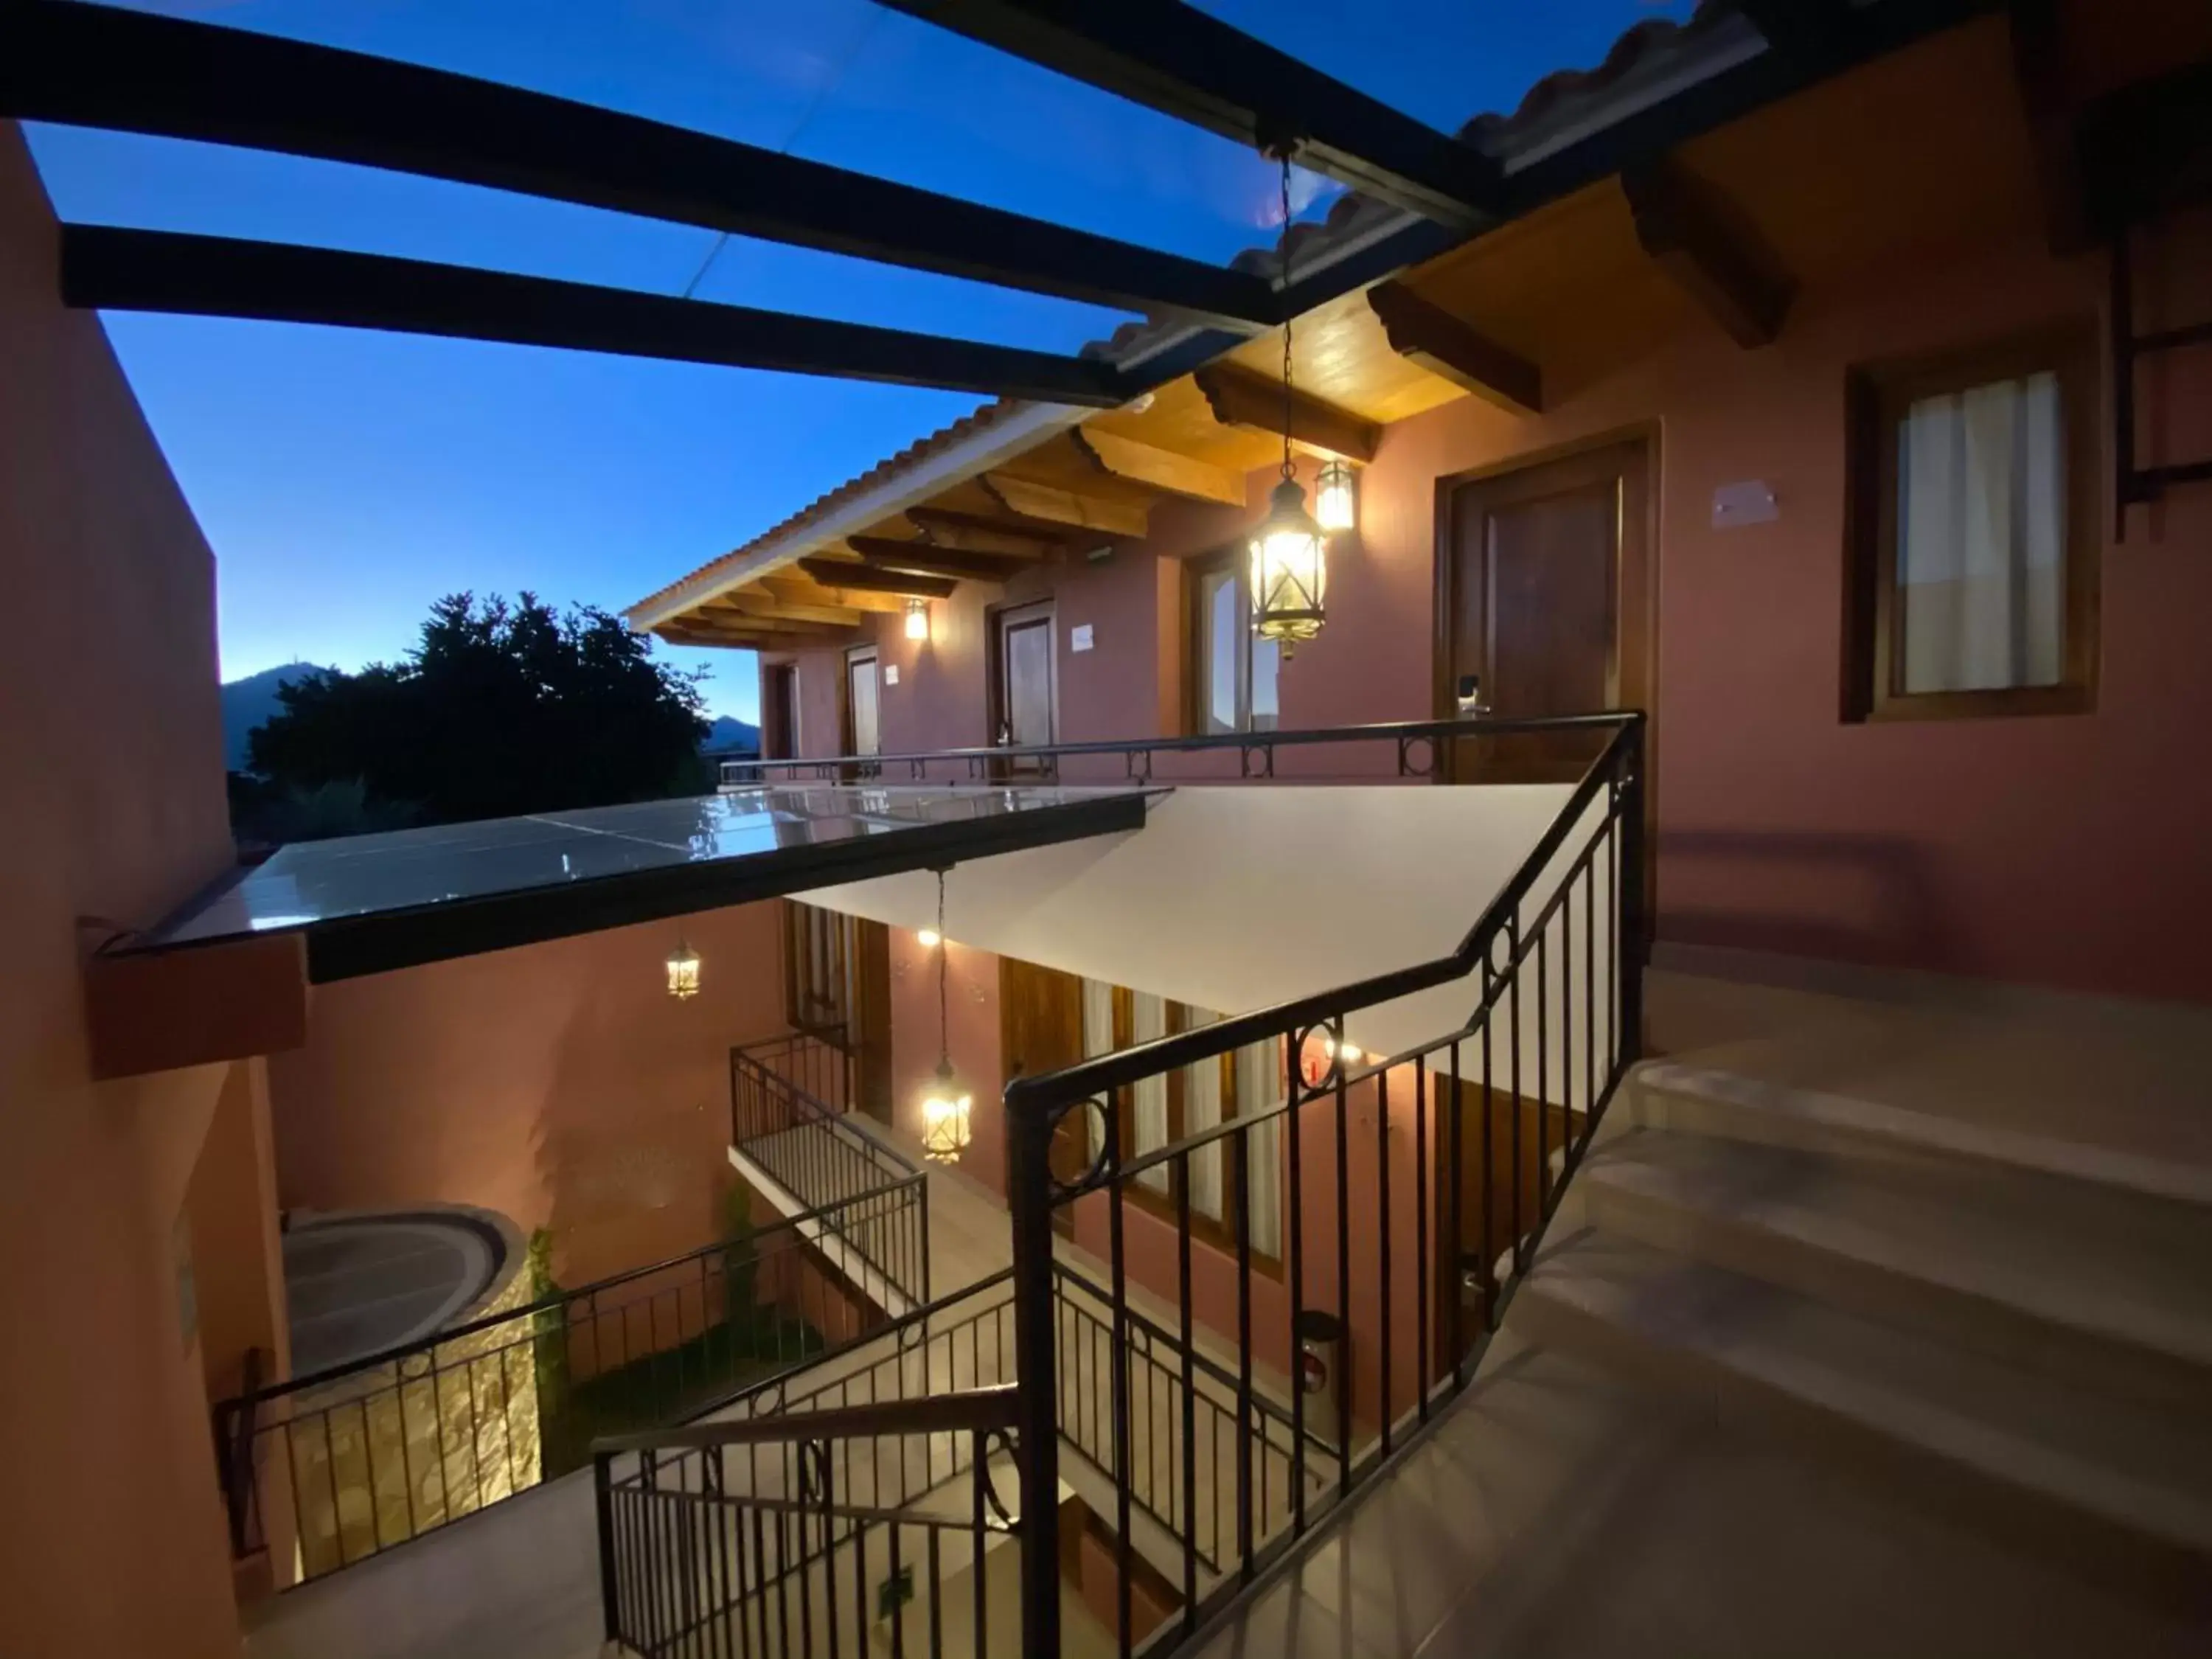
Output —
<point x="1290" y="552"/>
<point x="945" y="1102"/>
<point x="917" y="618"/>
<point x="683" y="973"/>
<point x="1336" y="498"/>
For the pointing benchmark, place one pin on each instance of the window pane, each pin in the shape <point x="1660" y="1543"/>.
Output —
<point x="1150" y="1101"/>
<point x="1981" y="518"/>
<point x="865" y="740"/>
<point x="1220" y="617"/>
<point x="1267" y="655"/>
<point x="1201" y="1110"/>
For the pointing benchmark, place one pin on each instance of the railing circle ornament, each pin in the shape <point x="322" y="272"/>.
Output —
<point x="1103" y="1161"/>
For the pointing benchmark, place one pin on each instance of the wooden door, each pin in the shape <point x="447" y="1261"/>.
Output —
<point x="870" y="955"/>
<point x="1025" y="702"/>
<point x="863" y="703"/>
<point x="1544" y="601"/>
<point x="1486" y="1214"/>
<point x="780" y="711"/>
<point x="1041" y="1029"/>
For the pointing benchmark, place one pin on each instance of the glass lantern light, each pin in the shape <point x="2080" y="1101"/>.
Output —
<point x="1336" y="498"/>
<point x="683" y="973"/>
<point x="945" y="1115"/>
<point x="917" y="619"/>
<point x="1290" y="570"/>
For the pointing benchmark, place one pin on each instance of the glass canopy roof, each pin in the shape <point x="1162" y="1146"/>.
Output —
<point x="368" y="903"/>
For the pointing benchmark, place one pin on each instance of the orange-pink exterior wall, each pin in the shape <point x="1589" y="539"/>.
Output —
<point x="559" y="1083"/>
<point x="2057" y="851"/>
<point x="112" y="1540"/>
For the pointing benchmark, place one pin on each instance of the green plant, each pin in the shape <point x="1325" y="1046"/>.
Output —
<point x="549" y="1344"/>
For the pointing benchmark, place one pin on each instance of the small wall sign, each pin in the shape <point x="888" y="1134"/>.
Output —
<point x="891" y="673"/>
<point x="1078" y="637"/>
<point x="1735" y="505"/>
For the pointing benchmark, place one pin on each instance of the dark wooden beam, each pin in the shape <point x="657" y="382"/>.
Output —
<point x="769" y="605"/>
<point x="1709" y="250"/>
<point x="1431" y="336"/>
<point x="2146" y="149"/>
<point x="2037" y="65"/>
<point x="110" y="269"/>
<point x="1240" y="398"/>
<point x="924" y="559"/>
<point x="994" y="533"/>
<point x="724" y="614"/>
<point x="101" y="66"/>
<point x="1174" y="58"/>
<point x="839" y="572"/>
<point x="1804" y="31"/>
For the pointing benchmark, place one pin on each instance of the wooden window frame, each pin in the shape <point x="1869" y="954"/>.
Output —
<point x="1232" y="559"/>
<point x="1877" y="396"/>
<point x="1221" y="1234"/>
<point x="848" y="719"/>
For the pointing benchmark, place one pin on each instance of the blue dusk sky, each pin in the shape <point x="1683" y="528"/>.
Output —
<point x="346" y="479"/>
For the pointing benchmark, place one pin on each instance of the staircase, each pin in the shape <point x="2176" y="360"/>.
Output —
<point x="2028" y="1352"/>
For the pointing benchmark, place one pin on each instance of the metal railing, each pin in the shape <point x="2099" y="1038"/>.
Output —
<point x="1409" y="1192"/>
<point x="703" y="1554"/>
<point x="1418" y="749"/>
<point x="348" y="1461"/>
<point x="1413" y="1189"/>
<point x="802" y="1142"/>
<point x="744" y="1534"/>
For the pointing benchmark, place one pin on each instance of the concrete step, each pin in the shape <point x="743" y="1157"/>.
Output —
<point x="1738" y="1106"/>
<point x="2120" y="1489"/>
<point x="2103" y="1288"/>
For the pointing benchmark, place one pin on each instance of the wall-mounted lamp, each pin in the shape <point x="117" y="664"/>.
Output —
<point x="1336" y="498"/>
<point x="683" y="973"/>
<point x="917" y="619"/>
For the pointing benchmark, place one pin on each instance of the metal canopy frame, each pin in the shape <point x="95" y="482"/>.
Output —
<point x="85" y="65"/>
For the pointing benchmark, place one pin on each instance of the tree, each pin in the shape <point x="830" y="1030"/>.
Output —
<point x="499" y="710"/>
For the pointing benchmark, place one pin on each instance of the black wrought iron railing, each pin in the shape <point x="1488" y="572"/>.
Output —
<point x="340" y="1465"/>
<point x="775" y="1529"/>
<point x="805" y="1144"/>
<point x="1404" y="1197"/>
<point x="1287" y="1296"/>
<point x="1420" y="750"/>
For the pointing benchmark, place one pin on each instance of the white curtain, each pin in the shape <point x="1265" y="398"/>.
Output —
<point x="1258" y="1087"/>
<point x="1149" y="1095"/>
<point x="1981" y="517"/>
<point x="1097" y="1039"/>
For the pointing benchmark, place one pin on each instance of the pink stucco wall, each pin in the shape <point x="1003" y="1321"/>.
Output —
<point x="2056" y="851"/>
<point x="559" y="1083"/>
<point x="111" y="744"/>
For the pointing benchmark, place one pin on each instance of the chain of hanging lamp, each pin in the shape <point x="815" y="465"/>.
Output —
<point x="943" y="1015"/>
<point x="1283" y="259"/>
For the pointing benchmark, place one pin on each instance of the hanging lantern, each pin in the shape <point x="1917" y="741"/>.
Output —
<point x="1336" y="498"/>
<point x="683" y="973"/>
<point x="1290" y="557"/>
<point x="917" y="619"/>
<point x="944" y="1111"/>
<point x="1290" y="569"/>
<point x="945" y="1103"/>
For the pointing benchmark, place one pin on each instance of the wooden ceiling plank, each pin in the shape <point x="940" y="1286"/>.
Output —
<point x="1243" y="398"/>
<point x="790" y="582"/>
<point x="929" y="559"/>
<point x="1709" y="250"/>
<point x="770" y="606"/>
<point x="1056" y="505"/>
<point x="863" y="578"/>
<point x="1160" y="469"/>
<point x="1436" y="340"/>
<point x="757" y="621"/>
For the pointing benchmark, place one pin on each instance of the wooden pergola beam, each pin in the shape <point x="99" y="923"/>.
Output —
<point x="1163" y="470"/>
<point x="1427" y="335"/>
<point x="1252" y="403"/>
<point x="1176" y="59"/>
<point x="718" y="611"/>
<point x="103" y="66"/>
<point x="105" y="269"/>
<point x="770" y="607"/>
<point x="844" y="574"/>
<point x="1055" y="505"/>
<point x="1709" y="250"/>
<point x="927" y="559"/>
